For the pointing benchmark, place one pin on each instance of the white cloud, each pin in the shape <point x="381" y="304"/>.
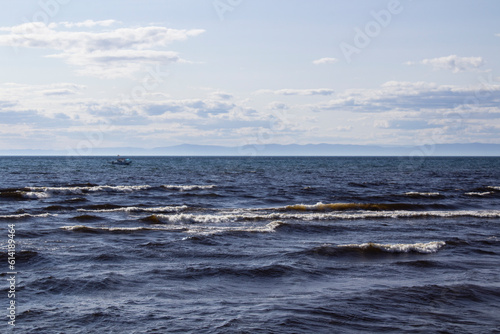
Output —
<point x="344" y="128"/>
<point x="221" y="95"/>
<point x="277" y="106"/>
<point x="57" y="105"/>
<point x="106" y="54"/>
<point x="453" y="63"/>
<point x="86" y="24"/>
<point x="325" y="61"/>
<point x="303" y="92"/>
<point x="414" y="97"/>
<point x="37" y="93"/>
<point x="404" y="111"/>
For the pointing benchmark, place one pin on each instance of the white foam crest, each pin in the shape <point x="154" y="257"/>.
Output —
<point x="210" y="230"/>
<point x="27" y="215"/>
<point x="495" y="188"/>
<point x="428" y="194"/>
<point x="139" y="209"/>
<point x="241" y="215"/>
<point x="121" y="229"/>
<point x="35" y="195"/>
<point x="200" y="230"/>
<point x="417" y="214"/>
<point x="80" y="189"/>
<point x="187" y="187"/>
<point x="183" y="217"/>
<point x="479" y="194"/>
<point x="424" y="248"/>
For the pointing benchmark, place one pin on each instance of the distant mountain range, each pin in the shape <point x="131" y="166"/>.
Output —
<point x="280" y="150"/>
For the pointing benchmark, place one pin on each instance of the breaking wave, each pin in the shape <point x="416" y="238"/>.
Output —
<point x="246" y="216"/>
<point x="199" y="230"/>
<point x="45" y="192"/>
<point x="374" y="249"/>
<point x="188" y="187"/>
<point x="486" y="193"/>
<point x="23" y="194"/>
<point x="139" y="209"/>
<point x="27" y="215"/>
<point x="84" y="228"/>
<point x="34" y="195"/>
<point x="87" y="189"/>
<point x="352" y="206"/>
<point x="422" y="194"/>
<point x="209" y="230"/>
<point x="423" y="248"/>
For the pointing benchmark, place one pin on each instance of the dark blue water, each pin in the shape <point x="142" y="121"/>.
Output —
<point x="252" y="245"/>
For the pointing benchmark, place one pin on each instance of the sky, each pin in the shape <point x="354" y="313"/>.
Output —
<point x="91" y="74"/>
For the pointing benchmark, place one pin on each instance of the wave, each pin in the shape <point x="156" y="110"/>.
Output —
<point x="210" y="230"/>
<point x="46" y="192"/>
<point x="367" y="249"/>
<point x="242" y="215"/>
<point x="84" y="228"/>
<point x="199" y="230"/>
<point x="23" y="194"/>
<point x="57" y="208"/>
<point x="76" y="200"/>
<point x="86" y="218"/>
<point x="352" y="206"/>
<point x="424" y="264"/>
<point x="483" y="191"/>
<point x="96" y="207"/>
<point x="139" y="209"/>
<point x="86" y="189"/>
<point x="423" y="194"/>
<point x="35" y="195"/>
<point x="188" y="187"/>
<point x="27" y="215"/>
<point x="273" y="270"/>
<point x="423" y="248"/>
<point x="195" y="218"/>
<point x="486" y="193"/>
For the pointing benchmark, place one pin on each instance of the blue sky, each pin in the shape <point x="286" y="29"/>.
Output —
<point x="87" y="74"/>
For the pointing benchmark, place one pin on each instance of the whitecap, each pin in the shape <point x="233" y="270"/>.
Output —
<point x="188" y="187"/>
<point x="140" y="209"/>
<point x="27" y="215"/>
<point x="423" y="248"/>
<point x="80" y="189"/>
<point x="479" y="194"/>
<point x="238" y="215"/>
<point x="35" y="195"/>
<point x="210" y="230"/>
<point x="423" y="194"/>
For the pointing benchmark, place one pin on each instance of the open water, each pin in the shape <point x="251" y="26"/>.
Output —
<point x="252" y="245"/>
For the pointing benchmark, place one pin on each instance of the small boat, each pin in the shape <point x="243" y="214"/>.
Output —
<point x="121" y="161"/>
